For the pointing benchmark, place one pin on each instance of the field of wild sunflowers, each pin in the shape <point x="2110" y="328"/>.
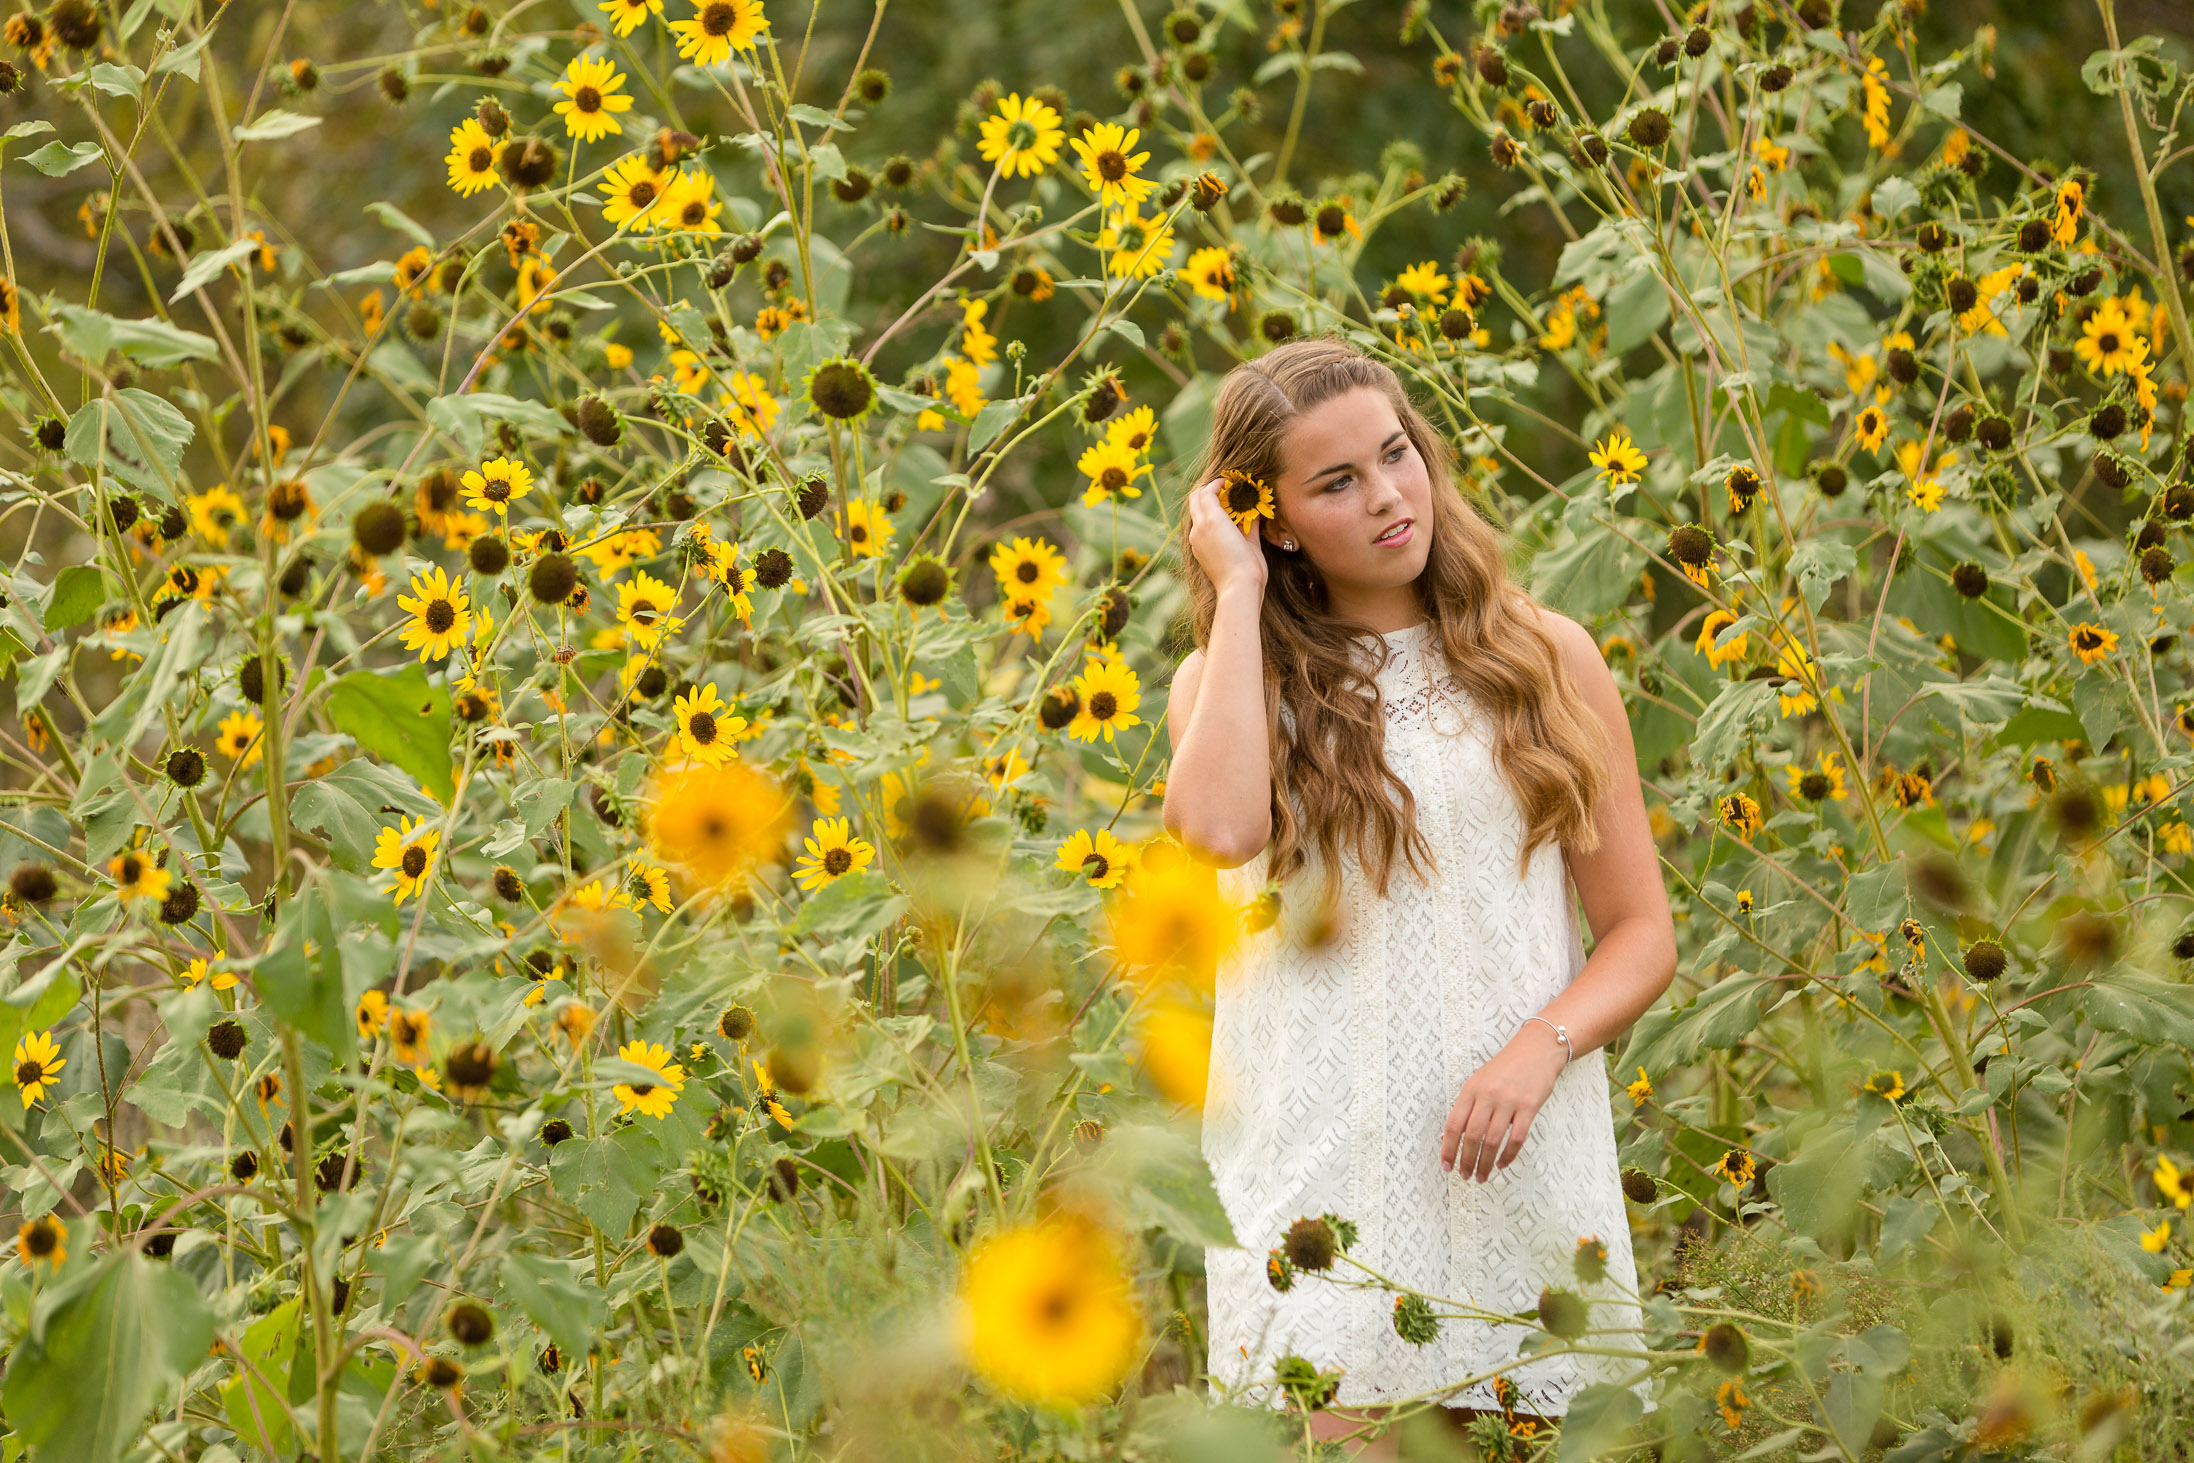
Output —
<point x="587" y="593"/>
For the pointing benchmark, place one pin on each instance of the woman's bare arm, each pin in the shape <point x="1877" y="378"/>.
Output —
<point x="1219" y="788"/>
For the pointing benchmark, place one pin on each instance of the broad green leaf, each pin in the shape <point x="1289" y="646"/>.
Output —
<point x="1731" y="721"/>
<point x="472" y="417"/>
<point x="1162" y="1173"/>
<point x="556" y="1298"/>
<point x="256" y="1408"/>
<point x="136" y="436"/>
<point x="1819" y="563"/>
<point x="400" y="718"/>
<point x="850" y="906"/>
<point x="206" y="266"/>
<point x="1598" y="1419"/>
<point x="1819" y="1187"/>
<point x="90" y="334"/>
<point x="59" y="159"/>
<point x="274" y="125"/>
<point x="1638" y="307"/>
<point x="307" y="991"/>
<point x="401" y="221"/>
<point x="101" y="1352"/>
<point x="78" y="591"/>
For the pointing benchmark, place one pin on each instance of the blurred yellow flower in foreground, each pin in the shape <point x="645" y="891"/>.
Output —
<point x="1170" y="922"/>
<point x="717" y="823"/>
<point x="1177" y="1052"/>
<point x="1047" y="1313"/>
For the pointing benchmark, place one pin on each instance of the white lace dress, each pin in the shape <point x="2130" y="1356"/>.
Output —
<point x="1333" y="1071"/>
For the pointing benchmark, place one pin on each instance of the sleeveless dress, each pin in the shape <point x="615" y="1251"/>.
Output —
<point x="1333" y="1070"/>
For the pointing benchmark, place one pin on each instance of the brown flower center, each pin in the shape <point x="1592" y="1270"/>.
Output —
<point x="28" y="1073"/>
<point x="1104" y="706"/>
<point x="701" y="727"/>
<point x="440" y="616"/>
<point x="414" y="861"/>
<point x="586" y="99"/>
<point x="717" y="20"/>
<point x="480" y="159"/>
<point x="838" y="860"/>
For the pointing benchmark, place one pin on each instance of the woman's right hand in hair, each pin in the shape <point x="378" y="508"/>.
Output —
<point x="1230" y="558"/>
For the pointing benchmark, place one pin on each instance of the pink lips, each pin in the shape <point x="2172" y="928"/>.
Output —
<point x="1409" y="531"/>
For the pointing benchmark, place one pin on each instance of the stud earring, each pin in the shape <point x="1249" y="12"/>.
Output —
<point x="1288" y="544"/>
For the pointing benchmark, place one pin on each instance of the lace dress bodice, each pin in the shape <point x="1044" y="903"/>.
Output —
<point x="1334" y="1067"/>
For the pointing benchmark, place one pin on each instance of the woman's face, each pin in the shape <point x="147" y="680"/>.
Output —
<point x="1354" y="495"/>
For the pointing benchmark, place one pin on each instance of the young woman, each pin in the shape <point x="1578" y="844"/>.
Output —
<point x="1428" y="762"/>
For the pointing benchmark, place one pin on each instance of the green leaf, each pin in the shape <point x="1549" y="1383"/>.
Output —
<point x="851" y="906"/>
<point x="1127" y="330"/>
<point x="401" y="221"/>
<point x="1718" y="1017"/>
<point x="471" y="416"/>
<point x="1819" y="563"/>
<point x="307" y="991"/>
<point x="90" y="334"/>
<point x="1819" y="1188"/>
<point x="1638" y="308"/>
<point x="1167" y="1183"/>
<point x="555" y="1298"/>
<point x="78" y="591"/>
<point x="1877" y="898"/>
<point x="118" y="81"/>
<point x="816" y="117"/>
<point x="274" y="125"/>
<point x="58" y="159"/>
<point x="1596" y="1422"/>
<point x="1590" y="575"/>
<point x="39" y="1001"/>
<point x="257" y="1410"/>
<point x="2148" y="1010"/>
<point x="101" y="1351"/>
<point x="540" y="802"/>
<point x="1801" y="402"/>
<point x="137" y="437"/>
<point x="401" y="719"/>
<point x="1727" y="727"/>
<point x="603" y="1178"/>
<point x="2040" y="724"/>
<point x="183" y="60"/>
<point x="206" y="266"/>
<point x="992" y="420"/>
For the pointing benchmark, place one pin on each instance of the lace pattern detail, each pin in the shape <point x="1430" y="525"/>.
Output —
<point x="1334" y="1066"/>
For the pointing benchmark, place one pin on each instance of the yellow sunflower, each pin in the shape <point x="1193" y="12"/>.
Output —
<point x="1021" y="137"/>
<point x="1101" y="859"/>
<point x="650" y="1099"/>
<point x="2108" y="344"/>
<point x="195" y="974"/>
<point x="471" y="157"/>
<point x="2091" y="642"/>
<point x="1112" y="468"/>
<point x="590" y="88"/>
<point x="1872" y="428"/>
<point x="1245" y="498"/>
<point x="36" y="1060"/>
<point x="868" y="529"/>
<point x="239" y="737"/>
<point x="747" y="403"/>
<point x="1110" y="165"/>
<point x="717" y="822"/>
<point x="1028" y="567"/>
<point x="1136" y="247"/>
<point x="832" y="851"/>
<point x="689" y="204"/>
<point x="409" y="850"/>
<point x="496" y="484"/>
<point x="136" y="877"/>
<point x="1109" y="694"/>
<point x="1175" y="1038"/>
<point x="1048" y="1313"/>
<point x="1133" y="431"/>
<point x="707" y="730"/>
<point x="630" y="192"/>
<point x="1426" y="281"/>
<point x="718" y="28"/>
<point x="43" y="1239"/>
<point x="441" y="617"/>
<point x="214" y="512"/>
<point x="1618" y="458"/>
<point x="625" y="15"/>
<point x="1210" y="272"/>
<point x="644" y="609"/>
<point x="645" y="884"/>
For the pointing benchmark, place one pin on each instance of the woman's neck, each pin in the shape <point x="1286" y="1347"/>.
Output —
<point x="1381" y="610"/>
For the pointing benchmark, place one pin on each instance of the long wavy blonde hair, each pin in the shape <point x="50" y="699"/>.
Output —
<point x="1330" y="762"/>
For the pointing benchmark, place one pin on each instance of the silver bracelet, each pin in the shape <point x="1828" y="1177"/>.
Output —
<point x="1561" y="1034"/>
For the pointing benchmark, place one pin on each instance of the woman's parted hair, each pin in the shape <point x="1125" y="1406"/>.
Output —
<point x="1547" y="743"/>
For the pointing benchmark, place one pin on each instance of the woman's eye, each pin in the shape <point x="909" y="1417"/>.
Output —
<point x="1396" y="454"/>
<point x="1336" y="483"/>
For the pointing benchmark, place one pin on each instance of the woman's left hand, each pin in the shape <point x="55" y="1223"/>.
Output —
<point x="1486" y="1127"/>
